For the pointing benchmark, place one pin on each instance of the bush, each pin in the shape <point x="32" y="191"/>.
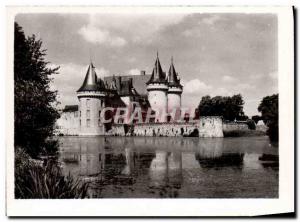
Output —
<point x="34" y="181"/>
<point x="269" y="112"/>
<point x="242" y="133"/>
<point x="50" y="147"/>
<point x="256" y="118"/>
<point x="251" y="124"/>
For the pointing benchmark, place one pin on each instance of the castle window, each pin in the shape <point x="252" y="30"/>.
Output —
<point x="88" y="122"/>
<point x="88" y="113"/>
<point x="80" y="113"/>
<point x="99" y="122"/>
<point x="88" y="103"/>
<point x="99" y="114"/>
<point x="79" y="122"/>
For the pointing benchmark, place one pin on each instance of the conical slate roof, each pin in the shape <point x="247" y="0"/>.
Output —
<point x="158" y="76"/>
<point x="173" y="79"/>
<point x="91" y="81"/>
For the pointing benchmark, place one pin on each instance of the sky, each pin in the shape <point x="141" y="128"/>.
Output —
<point x="214" y="54"/>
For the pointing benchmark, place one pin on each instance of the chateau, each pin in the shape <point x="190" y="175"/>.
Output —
<point x="121" y="95"/>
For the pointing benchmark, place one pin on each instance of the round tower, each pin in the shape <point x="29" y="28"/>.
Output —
<point x="174" y="91"/>
<point x="91" y="96"/>
<point x="157" y="92"/>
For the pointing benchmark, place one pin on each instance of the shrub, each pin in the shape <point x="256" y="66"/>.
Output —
<point x="241" y="133"/>
<point x="34" y="181"/>
<point x="270" y="113"/>
<point x="256" y="118"/>
<point x="251" y="124"/>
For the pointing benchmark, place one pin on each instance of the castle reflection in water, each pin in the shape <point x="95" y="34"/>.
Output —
<point x="149" y="166"/>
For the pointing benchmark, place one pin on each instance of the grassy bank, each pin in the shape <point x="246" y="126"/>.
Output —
<point x="243" y="133"/>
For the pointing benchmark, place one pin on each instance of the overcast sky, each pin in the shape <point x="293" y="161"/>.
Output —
<point x="214" y="54"/>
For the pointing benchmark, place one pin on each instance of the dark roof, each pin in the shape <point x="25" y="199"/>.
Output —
<point x="134" y="92"/>
<point x="138" y="82"/>
<point x="91" y="81"/>
<point x="114" y="101"/>
<point x="173" y="79"/>
<point x="70" y="108"/>
<point x="158" y="76"/>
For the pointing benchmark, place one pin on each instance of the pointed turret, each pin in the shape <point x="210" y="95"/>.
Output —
<point x="91" y="82"/>
<point x="158" y="76"/>
<point x="174" y="91"/>
<point x="91" y="96"/>
<point x="157" y="88"/>
<point x="173" y="79"/>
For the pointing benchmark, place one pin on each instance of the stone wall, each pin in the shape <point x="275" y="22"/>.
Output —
<point x="205" y="127"/>
<point x="68" y="123"/>
<point x="164" y="129"/>
<point x="116" y="130"/>
<point x="210" y="126"/>
<point x="232" y="126"/>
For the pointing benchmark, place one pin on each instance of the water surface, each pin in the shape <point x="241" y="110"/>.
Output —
<point x="172" y="167"/>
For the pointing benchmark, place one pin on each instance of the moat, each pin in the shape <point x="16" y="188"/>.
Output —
<point x="172" y="167"/>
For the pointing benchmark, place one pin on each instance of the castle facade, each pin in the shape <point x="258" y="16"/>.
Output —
<point x="115" y="96"/>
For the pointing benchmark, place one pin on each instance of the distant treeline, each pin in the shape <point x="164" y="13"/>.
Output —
<point x="231" y="109"/>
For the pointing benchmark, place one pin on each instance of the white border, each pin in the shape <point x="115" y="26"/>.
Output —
<point x="169" y="207"/>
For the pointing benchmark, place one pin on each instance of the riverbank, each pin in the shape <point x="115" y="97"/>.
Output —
<point x="243" y="133"/>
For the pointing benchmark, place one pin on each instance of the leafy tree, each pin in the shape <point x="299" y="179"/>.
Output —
<point x="269" y="112"/>
<point x="256" y="118"/>
<point x="35" y="114"/>
<point x="230" y="108"/>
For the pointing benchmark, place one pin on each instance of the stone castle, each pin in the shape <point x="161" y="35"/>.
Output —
<point x="159" y="91"/>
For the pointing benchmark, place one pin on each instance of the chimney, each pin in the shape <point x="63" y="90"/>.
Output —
<point x="119" y="82"/>
<point x="143" y="72"/>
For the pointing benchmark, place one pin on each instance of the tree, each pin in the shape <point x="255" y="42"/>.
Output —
<point x="269" y="113"/>
<point x="230" y="108"/>
<point x="251" y="124"/>
<point x="256" y="118"/>
<point x="35" y="114"/>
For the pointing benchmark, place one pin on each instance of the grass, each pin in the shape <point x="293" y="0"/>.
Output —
<point x="240" y="133"/>
<point x="36" y="181"/>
